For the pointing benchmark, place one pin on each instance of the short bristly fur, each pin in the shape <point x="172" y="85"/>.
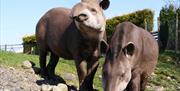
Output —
<point x="131" y="58"/>
<point x="73" y="34"/>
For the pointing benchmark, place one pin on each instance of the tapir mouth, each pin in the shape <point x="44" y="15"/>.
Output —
<point x="89" y="28"/>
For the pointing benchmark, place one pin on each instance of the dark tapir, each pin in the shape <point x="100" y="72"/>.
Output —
<point x="73" y="34"/>
<point x="130" y="59"/>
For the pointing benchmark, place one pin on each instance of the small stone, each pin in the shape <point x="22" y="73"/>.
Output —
<point x="148" y="86"/>
<point x="169" y="78"/>
<point x="69" y="76"/>
<point x="153" y="74"/>
<point x="160" y="88"/>
<point x="178" y="88"/>
<point x="31" y="70"/>
<point x="46" y="88"/>
<point x="55" y="88"/>
<point x="6" y="89"/>
<point x="100" y="76"/>
<point x="62" y="87"/>
<point x="27" y="64"/>
<point x="11" y="68"/>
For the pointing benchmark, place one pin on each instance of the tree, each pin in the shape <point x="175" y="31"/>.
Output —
<point x="168" y="15"/>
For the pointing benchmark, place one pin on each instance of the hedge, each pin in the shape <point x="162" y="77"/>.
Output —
<point x="29" y="44"/>
<point x="138" y="18"/>
<point x="168" y="15"/>
<point x="29" y="39"/>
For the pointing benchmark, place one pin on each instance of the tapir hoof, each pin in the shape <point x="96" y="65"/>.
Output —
<point x="86" y="88"/>
<point x="43" y="73"/>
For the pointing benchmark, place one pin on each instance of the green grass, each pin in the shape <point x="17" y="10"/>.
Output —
<point x="167" y="72"/>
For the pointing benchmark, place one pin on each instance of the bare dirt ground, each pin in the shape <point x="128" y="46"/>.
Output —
<point x="12" y="79"/>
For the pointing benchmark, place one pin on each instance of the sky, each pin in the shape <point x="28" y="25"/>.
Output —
<point x="18" y="18"/>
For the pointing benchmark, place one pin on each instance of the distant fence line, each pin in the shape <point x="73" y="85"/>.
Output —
<point x="32" y="48"/>
<point x="20" y="48"/>
<point x="155" y="34"/>
<point x="11" y="47"/>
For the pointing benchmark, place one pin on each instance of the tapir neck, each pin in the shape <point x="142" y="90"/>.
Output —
<point x="92" y="35"/>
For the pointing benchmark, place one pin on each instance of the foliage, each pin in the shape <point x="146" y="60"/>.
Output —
<point x="29" y="39"/>
<point x="168" y="15"/>
<point x="163" y="36"/>
<point x="139" y="18"/>
<point x="167" y="72"/>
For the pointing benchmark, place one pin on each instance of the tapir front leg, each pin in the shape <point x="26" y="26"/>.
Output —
<point x="92" y="65"/>
<point x="81" y="69"/>
<point x="134" y="84"/>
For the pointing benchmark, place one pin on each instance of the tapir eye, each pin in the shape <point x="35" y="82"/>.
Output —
<point x="93" y="10"/>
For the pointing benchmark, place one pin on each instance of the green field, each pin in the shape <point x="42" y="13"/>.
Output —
<point x="166" y="75"/>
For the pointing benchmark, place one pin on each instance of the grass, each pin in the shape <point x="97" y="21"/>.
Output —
<point x="166" y="75"/>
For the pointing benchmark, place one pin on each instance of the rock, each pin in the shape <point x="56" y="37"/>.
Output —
<point x="100" y="76"/>
<point x="55" y="88"/>
<point x="62" y="87"/>
<point x="11" y="68"/>
<point x="46" y="87"/>
<point x="6" y="89"/>
<point x="27" y="64"/>
<point x="178" y="88"/>
<point x="30" y="70"/>
<point x="159" y="88"/>
<point x="169" y="78"/>
<point x="69" y="76"/>
<point x="153" y="74"/>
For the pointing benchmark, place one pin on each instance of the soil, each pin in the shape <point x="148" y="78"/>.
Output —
<point x="12" y="79"/>
<point x="19" y="79"/>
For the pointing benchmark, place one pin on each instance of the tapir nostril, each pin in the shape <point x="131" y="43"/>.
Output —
<point x="82" y="17"/>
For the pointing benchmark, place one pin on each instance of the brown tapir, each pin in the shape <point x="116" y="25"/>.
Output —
<point x="73" y="34"/>
<point x="131" y="58"/>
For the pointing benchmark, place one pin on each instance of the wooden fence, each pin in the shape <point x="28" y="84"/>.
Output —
<point x="20" y="48"/>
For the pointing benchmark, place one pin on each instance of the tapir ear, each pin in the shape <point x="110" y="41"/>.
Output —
<point x="129" y="49"/>
<point x="104" y="46"/>
<point x="104" y="4"/>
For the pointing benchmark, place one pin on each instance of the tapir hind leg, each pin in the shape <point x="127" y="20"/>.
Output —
<point x="42" y="62"/>
<point x="52" y="65"/>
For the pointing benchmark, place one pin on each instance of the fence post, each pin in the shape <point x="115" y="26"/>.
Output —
<point x="5" y="47"/>
<point x="176" y="32"/>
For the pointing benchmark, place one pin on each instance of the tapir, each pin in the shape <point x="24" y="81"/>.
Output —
<point x="130" y="59"/>
<point x="73" y="34"/>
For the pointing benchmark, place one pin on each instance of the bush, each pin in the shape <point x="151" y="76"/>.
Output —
<point x="140" y="18"/>
<point x="29" y="44"/>
<point x="29" y="39"/>
<point x="168" y="15"/>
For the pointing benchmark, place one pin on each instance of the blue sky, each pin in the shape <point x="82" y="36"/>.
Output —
<point x="19" y="17"/>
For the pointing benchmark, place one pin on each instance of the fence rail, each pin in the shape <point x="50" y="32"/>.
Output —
<point x="12" y="47"/>
<point x="155" y="34"/>
<point x="31" y="48"/>
<point x="19" y="48"/>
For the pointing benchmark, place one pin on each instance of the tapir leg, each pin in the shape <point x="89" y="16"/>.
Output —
<point x="134" y="84"/>
<point x="92" y="65"/>
<point x="42" y="62"/>
<point x="81" y="69"/>
<point x="52" y="64"/>
<point x="144" y="79"/>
